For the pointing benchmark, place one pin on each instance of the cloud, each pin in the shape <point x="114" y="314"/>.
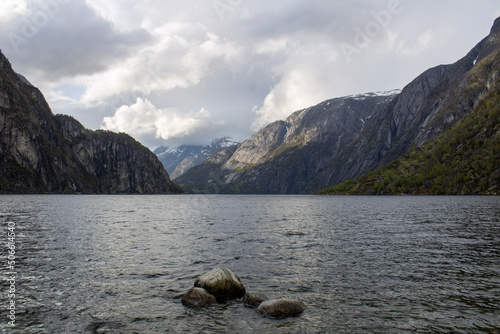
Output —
<point x="257" y="62"/>
<point x="145" y="121"/>
<point x="306" y="78"/>
<point x="177" y="125"/>
<point x="183" y="54"/>
<point x="57" y="39"/>
<point x="424" y="43"/>
<point x="273" y="47"/>
<point x="292" y="93"/>
<point x="12" y="8"/>
<point x="138" y="119"/>
<point x="310" y="21"/>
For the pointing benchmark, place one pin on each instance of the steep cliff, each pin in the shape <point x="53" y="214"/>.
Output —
<point x="43" y="153"/>
<point x="464" y="160"/>
<point x="345" y="138"/>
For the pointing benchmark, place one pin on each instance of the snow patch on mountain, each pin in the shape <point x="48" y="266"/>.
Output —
<point x="188" y="156"/>
<point x="360" y="97"/>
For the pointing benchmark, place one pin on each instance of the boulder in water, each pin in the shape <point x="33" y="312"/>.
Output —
<point x="198" y="297"/>
<point x="221" y="283"/>
<point x="255" y="298"/>
<point x="281" y="308"/>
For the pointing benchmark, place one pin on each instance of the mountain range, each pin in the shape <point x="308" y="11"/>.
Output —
<point x="179" y="159"/>
<point x="345" y="138"/>
<point x="45" y="153"/>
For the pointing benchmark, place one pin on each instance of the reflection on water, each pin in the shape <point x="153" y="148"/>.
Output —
<point x="113" y="264"/>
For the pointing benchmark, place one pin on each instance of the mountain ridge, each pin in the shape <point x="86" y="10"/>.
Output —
<point x="313" y="156"/>
<point x="461" y="161"/>
<point x="179" y="159"/>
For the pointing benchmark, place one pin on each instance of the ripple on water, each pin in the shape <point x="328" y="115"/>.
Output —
<point x="117" y="264"/>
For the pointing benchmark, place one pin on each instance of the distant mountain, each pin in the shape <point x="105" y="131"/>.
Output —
<point x="179" y="159"/>
<point x="345" y="138"/>
<point x="171" y="157"/>
<point x="43" y="153"/>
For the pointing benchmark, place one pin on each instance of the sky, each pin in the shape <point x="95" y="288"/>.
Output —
<point x="186" y="72"/>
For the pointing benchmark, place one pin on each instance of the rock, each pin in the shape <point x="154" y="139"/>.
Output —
<point x="221" y="283"/>
<point x="281" y="308"/>
<point x="198" y="297"/>
<point x="254" y="298"/>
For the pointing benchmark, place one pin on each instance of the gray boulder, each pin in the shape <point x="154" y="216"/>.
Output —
<point x="255" y="298"/>
<point x="221" y="283"/>
<point x="281" y="308"/>
<point x="198" y="297"/>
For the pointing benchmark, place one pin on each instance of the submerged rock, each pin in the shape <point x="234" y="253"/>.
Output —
<point x="281" y="308"/>
<point x="198" y="297"/>
<point x="255" y="298"/>
<point x="221" y="283"/>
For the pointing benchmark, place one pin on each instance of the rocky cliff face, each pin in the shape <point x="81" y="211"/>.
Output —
<point x="40" y="152"/>
<point x="345" y="138"/>
<point x="464" y="160"/>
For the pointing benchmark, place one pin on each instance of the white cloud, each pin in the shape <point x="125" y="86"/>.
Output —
<point x="12" y="8"/>
<point x="172" y="124"/>
<point x="137" y="119"/>
<point x="145" y="121"/>
<point x="183" y="54"/>
<point x="297" y="89"/>
<point x="272" y="46"/>
<point x="306" y="78"/>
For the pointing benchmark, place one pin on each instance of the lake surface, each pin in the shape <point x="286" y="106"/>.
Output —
<point x="114" y="264"/>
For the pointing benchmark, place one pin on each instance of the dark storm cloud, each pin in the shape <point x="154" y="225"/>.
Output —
<point x="66" y="40"/>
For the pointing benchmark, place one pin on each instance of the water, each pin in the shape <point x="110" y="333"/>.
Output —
<point x="114" y="264"/>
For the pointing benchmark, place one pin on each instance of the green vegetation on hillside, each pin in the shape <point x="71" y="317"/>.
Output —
<point x="463" y="160"/>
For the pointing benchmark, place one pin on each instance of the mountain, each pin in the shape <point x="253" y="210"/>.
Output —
<point x="464" y="160"/>
<point x="458" y="90"/>
<point x="44" y="153"/>
<point x="345" y="138"/>
<point x="171" y="157"/>
<point x="281" y="157"/>
<point x="177" y="160"/>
